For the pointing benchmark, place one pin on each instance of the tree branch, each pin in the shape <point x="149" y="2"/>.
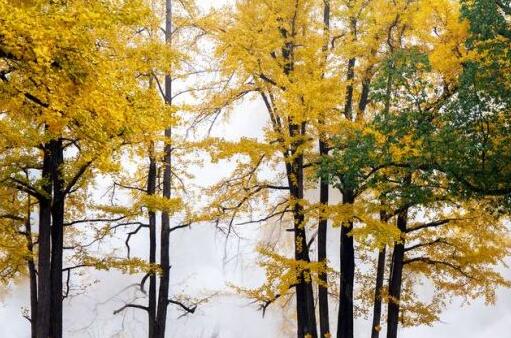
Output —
<point x="135" y="306"/>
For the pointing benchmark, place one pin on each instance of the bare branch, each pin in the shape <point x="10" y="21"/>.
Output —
<point x="186" y="225"/>
<point x="183" y="306"/>
<point x="76" y="177"/>
<point x="135" y="306"/>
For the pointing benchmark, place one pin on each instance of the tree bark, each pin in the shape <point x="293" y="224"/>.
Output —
<point x="151" y="190"/>
<point x="324" y="320"/>
<point x="163" y="293"/>
<point x="380" y="274"/>
<point x="306" y="316"/>
<point x="347" y="250"/>
<point x="396" y="278"/>
<point x="32" y="272"/>
<point x="44" y="274"/>
<point x="57" y="238"/>
<point x="347" y="270"/>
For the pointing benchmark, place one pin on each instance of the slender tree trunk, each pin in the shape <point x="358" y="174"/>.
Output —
<point x="306" y="317"/>
<point x="32" y="272"/>
<point x="163" y="294"/>
<point x="364" y="99"/>
<point x="396" y="278"/>
<point x="306" y="314"/>
<point x="151" y="190"/>
<point x="324" y="320"/>
<point x="347" y="250"/>
<point x="350" y="75"/>
<point x="57" y="238"/>
<point x="347" y="270"/>
<point x="380" y="274"/>
<point x="43" y="287"/>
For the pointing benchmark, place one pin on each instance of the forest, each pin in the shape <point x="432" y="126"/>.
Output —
<point x="254" y="168"/>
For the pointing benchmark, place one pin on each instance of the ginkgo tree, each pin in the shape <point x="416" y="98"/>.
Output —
<point x="274" y="51"/>
<point x="412" y="94"/>
<point x="71" y="98"/>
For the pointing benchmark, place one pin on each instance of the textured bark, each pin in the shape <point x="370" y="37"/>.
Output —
<point x="324" y="320"/>
<point x="347" y="270"/>
<point x="32" y="273"/>
<point x="163" y="292"/>
<point x="57" y="238"/>
<point x="43" y="287"/>
<point x="347" y="250"/>
<point x="350" y="75"/>
<point x="151" y="189"/>
<point x="305" y="310"/>
<point x="396" y="278"/>
<point x="364" y="99"/>
<point x="380" y="274"/>
<point x="306" y="316"/>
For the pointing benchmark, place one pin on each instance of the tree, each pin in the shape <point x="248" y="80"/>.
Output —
<point x="420" y="104"/>
<point x="276" y="52"/>
<point x="76" y="94"/>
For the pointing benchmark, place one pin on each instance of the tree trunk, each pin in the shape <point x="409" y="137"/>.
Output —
<point x="348" y="105"/>
<point x="347" y="270"/>
<point x="57" y="238"/>
<point x="306" y="316"/>
<point x="347" y="250"/>
<point x="324" y="320"/>
<point x="32" y="273"/>
<point x="163" y="293"/>
<point x="396" y="278"/>
<point x="151" y="189"/>
<point x="43" y="287"/>
<point x="380" y="274"/>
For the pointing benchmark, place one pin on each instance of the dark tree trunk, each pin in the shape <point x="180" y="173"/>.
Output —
<point x="151" y="189"/>
<point x="306" y="317"/>
<point x="347" y="270"/>
<point x="324" y="320"/>
<point x="380" y="274"/>
<point x="305" y="310"/>
<point x="32" y="273"/>
<point x="350" y="75"/>
<point x="364" y="99"/>
<point x="57" y="238"/>
<point x="396" y="277"/>
<point x="163" y="292"/>
<point x="347" y="250"/>
<point x="44" y="274"/>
